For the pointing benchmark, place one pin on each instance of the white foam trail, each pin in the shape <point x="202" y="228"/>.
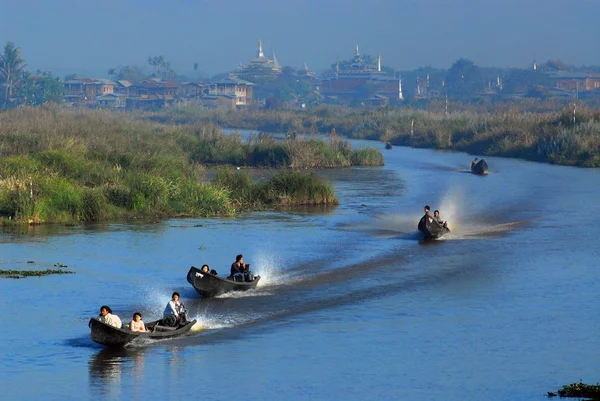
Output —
<point x="215" y="322"/>
<point x="451" y="207"/>
<point x="270" y="270"/>
<point x="245" y="294"/>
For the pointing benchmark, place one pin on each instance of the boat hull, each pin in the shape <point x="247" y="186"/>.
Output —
<point x="431" y="230"/>
<point x="480" y="168"/>
<point x="113" y="337"/>
<point x="210" y="285"/>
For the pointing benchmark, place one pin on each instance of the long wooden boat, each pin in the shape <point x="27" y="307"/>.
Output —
<point x="211" y="285"/>
<point x="480" y="168"/>
<point x="431" y="230"/>
<point x="113" y="337"/>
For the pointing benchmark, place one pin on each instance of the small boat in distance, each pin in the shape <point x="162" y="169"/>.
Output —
<point x="388" y="145"/>
<point x="211" y="285"/>
<point x="113" y="337"/>
<point x="431" y="230"/>
<point x="479" y="167"/>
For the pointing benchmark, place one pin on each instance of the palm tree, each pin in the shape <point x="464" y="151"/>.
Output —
<point x="112" y="72"/>
<point x="11" y="68"/>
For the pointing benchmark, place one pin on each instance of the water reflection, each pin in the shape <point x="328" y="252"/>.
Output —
<point x="105" y="370"/>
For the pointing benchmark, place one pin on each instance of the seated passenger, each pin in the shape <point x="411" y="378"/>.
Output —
<point x="107" y="317"/>
<point x="438" y="219"/>
<point x="205" y="269"/>
<point x="238" y="268"/>
<point x="474" y="162"/>
<point x="137" y="324"/>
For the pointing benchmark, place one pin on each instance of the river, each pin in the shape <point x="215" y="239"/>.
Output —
<point x="351" y="304"/>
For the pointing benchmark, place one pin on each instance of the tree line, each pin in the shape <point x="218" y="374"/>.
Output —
<point x="20" y="87"/>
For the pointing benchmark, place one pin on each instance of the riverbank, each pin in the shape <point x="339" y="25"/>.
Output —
<point x="568" y="137"/>
<point x="60" y="165"/>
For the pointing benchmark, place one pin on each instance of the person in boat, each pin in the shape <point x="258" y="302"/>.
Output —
<point x="205" y="269"/>
<point x="426" y="209"/>
<point x="175" y="308"/>
<point x="137" y="324"/>
<point x="240" y="271"/>
<point x="106" y="316"/>
<point x="474" y="162"/>
<point x="438" y="219"/>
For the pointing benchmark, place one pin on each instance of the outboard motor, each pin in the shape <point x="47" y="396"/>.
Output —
<point x="172" y="321"/>
<point x="169" y="321"/>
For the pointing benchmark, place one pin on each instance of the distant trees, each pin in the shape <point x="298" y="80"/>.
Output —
<point x="37" y="90"/>
<point x="12" y="66"/>
<point x="129" y="73"/>
<point x="19" y="87"/>
<point x="464" y="80"/>
<point x="162" y="68"/>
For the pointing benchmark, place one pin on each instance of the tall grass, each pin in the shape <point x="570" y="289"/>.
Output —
<point x="60" y="165"/>
<point x="529" y="129"/>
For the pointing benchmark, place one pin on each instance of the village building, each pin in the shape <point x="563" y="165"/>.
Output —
<point x="122" y="87"/>
<point x="359" y="79"/>
<point x="152" y="94"/>
<point x="238" y="92"/>
<point x="112" y="101"/>
<point x="80" y="92"/>
<point x="259" y="68"/>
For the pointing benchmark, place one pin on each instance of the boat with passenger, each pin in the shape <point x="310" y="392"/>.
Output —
<point x="431" y="229"/>
<point x="209" y="284"/>
<point x="479" y="167"/>
<point x="113" y="337"/>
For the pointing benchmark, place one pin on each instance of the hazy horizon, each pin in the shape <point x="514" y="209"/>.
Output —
<point x="70" y="36"/>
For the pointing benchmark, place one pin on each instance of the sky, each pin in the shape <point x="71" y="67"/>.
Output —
<point x="92" y="36"/>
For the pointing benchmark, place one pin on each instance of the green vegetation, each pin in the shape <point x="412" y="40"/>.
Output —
<point x="60" y="165"/>
<point x="19" y="87"/>
<point x="579" y="390"/>
<point x="31" y="273"/>
<point x="569" y="136"/>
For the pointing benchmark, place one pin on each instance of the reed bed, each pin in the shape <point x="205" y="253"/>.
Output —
<point x="59" y="165"/>
<point x="539" y="131"/>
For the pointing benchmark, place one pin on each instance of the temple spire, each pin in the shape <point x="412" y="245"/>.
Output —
<point x="275" y="58"/>
<point x="378" y="62"/>
<point x="357" y="52"/>
<point x="260" y="50"/>
<point x="400" y="96"/>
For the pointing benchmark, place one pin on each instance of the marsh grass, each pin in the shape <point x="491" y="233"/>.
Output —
<point x="528" y="129"/>
<point x="60" y="165"/>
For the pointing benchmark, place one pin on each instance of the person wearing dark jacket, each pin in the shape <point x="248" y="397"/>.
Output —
<point x="438" y="219"/>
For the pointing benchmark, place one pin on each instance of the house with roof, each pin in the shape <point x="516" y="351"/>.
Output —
<point x="575" y="81"/>
<point x="152" y="94"/>
<point x="236" y="89"/>
<point x="80" y="92"/>
<point x="104" y="86"/>
<point x="112" y="101"/>
<point x="122" y="87"/>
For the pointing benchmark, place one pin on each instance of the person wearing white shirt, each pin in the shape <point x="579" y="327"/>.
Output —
<point x="106" y="316"/>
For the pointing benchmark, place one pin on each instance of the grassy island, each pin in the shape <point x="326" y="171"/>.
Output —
<point x="31" y="273"/>
<point x="561" y="134"/>
<point x="59" y="165"/>
<point x="579" y="390"/>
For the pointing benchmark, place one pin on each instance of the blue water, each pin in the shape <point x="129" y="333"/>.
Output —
<point x="353" y="305"/>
